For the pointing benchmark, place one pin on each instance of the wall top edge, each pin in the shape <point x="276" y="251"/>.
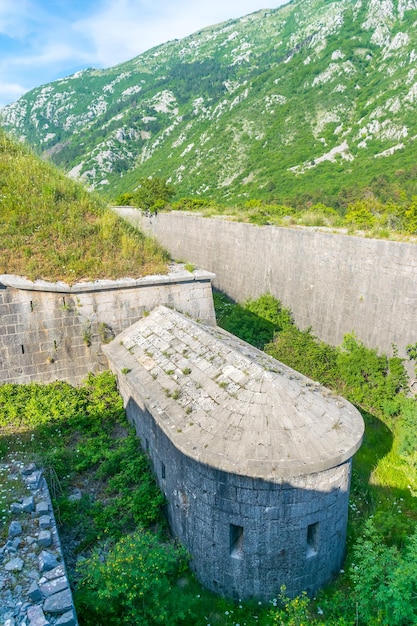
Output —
<point x="176" y="275"/>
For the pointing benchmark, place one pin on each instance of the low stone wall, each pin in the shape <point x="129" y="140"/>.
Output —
<point x="34" y="587"/>
<point x="51" y="331"/>
<point x="332" y="282"/>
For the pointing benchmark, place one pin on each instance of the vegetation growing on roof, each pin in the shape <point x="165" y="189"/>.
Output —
<point x="53" y="228"/>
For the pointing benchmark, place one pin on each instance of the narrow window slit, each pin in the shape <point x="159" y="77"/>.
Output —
<point x="236" y="541"/>
<point x="163" y="470"/>
<point x="312" y="539"/>
<point x="22" y="347"/>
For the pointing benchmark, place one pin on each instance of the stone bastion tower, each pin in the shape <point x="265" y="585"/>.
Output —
<point x="253" y="457"/>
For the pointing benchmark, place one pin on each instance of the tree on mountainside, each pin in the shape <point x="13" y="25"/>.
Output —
<point x="153" y="194"/>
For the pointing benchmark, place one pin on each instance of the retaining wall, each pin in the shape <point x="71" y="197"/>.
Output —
<point x="332" y="282"/>
<point x="51" y="331"/>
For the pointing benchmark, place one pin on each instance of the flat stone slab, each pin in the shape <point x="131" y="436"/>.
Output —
<point x="15" y="565"/>
<point x="45" y="538"/>
<point x="36" y="616"/>
<point x="58" y="603"/>
<point x="54" y="586"/>
<point x="42" y="508"/>
<point x="45" y="522"/>
<point x="56" y="572"/>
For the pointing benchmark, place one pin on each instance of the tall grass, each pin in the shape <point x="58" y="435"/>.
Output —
<point x="52" y="228"/>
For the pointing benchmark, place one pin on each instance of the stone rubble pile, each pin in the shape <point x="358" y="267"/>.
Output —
<point x="34" y="588"/>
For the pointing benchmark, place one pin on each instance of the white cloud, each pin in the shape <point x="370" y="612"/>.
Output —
<point x="13" y="18"/>
<point x="10" y="92"/>
<point x="41" y="40"/>
<point x="125" y="28"/>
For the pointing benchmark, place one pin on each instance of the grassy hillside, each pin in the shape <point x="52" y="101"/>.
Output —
<point x="52" y="228"/>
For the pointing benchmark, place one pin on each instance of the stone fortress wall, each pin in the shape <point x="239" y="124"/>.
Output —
<point x="298" y="521"/>
<point x="50" y="331"/>
<point x="332" y="282"/>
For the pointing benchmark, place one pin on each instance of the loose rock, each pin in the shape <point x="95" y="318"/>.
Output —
<point x="34" y="588"/>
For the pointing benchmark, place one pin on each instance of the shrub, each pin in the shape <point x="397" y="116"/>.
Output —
<point x="256" y="321"/>
<point x="302" y="351"/>
<point x="133" y="582"/>
<point x="360" y="216"/>
<point x="385" y="580"/>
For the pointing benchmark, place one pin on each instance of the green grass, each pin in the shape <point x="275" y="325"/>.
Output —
<point x="360" y="216"/>
<point x="52" y="228"/>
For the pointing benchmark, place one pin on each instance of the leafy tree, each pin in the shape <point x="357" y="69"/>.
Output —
<point x="153" y="194"/>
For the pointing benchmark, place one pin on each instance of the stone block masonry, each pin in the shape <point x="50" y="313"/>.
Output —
<point x="254" y="458"/>
<point x="51" y="331"/>
<point x="332" y="282"/>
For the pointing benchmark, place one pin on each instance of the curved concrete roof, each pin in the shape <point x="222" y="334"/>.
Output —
<point x="231" y="406"/>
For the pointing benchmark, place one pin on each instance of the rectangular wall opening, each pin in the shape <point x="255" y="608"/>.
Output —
<point x="163" y="470"/>
<point x="236" y="541"/>
<point x="312" y="539"/>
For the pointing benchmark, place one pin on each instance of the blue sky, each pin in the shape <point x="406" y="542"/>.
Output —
<point x="42" y="40"/>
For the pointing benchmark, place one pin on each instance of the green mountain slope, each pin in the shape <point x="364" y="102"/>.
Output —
<point x="307" y="98"/>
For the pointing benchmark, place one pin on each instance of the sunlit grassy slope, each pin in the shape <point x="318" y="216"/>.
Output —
<point x="54" y="229"/>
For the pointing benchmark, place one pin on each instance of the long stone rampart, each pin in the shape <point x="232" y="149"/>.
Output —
<point x="333" y="283"/>
<point x="53" y="331"/>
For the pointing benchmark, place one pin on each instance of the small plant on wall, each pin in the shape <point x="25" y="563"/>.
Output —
<point x="105" y="332"/>
<point x="87" y="335"/>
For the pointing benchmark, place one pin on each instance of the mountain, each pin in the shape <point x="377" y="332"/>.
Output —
<point x="303" y="99"/>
